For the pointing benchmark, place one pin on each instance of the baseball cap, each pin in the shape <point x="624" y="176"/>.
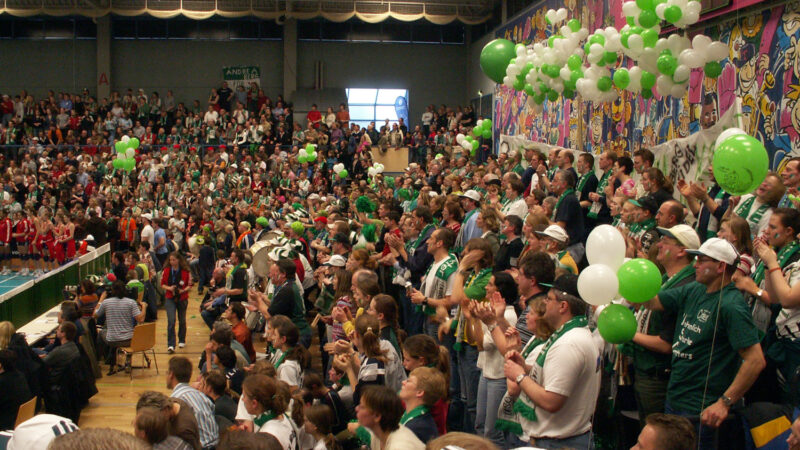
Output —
<point x="336" y="261"/>
<point x="37" y="432"/>
<point x="647" y="203"/>
<point x="555" y="232"/>
<point x="567" y="283"/>
<point x="684" y="234"/>
<point x="322" y="219"/>
<point x="718" y="249"/>
<point x="471" y="194"/>
<point x="147" y="216"/>
<point x="262" y="221"/>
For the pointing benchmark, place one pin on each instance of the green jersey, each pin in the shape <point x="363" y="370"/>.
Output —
<point x="696" y="311"/>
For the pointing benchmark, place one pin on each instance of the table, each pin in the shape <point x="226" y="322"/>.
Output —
<point x="38" y="328"/>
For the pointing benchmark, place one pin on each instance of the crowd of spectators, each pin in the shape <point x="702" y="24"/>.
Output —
<point x="442" y="300"/>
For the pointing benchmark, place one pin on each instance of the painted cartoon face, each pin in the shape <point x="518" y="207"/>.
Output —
<point x="597" y="129"/>
<point x="752" y="25"/>
<point x="791" y="18"/>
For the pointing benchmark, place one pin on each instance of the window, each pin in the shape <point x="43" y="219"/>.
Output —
<point x="377" y="105"/>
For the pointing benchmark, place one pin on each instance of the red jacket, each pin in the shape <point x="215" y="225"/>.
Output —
<point x="185" y="281"/>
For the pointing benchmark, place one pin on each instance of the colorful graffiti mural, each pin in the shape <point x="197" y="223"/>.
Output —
<point x="763" y="69"/>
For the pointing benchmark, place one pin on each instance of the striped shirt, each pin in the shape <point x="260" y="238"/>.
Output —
<point x="119" y="313"/>
<point x="203" y="411"/>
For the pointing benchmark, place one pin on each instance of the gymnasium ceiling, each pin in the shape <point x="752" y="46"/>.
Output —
<point x="436" y="11"/>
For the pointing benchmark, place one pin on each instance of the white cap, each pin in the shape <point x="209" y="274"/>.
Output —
<point x="336" y="261"/>
<point x="412" y="166"/>
<point x="147" y="216"/>
<point x="555" y="232"/>
<point x="472" y="194"/>
<point x="37" y="432"/>
<point x="684" y="234"/>
<point x="718" y="249"/>
<point x="89" y="237"/>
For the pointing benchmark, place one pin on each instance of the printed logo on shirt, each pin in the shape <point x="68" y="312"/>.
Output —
<point x="703" y="315"/>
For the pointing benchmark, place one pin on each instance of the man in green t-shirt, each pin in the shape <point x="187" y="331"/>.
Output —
<point x="716" y="355"/>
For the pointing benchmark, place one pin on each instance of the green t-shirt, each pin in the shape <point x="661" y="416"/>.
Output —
<point x="476" y="290"/>
<point x="696" y="314"/>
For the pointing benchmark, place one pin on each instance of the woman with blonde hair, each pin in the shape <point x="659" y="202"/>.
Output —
<point x="489" y="221"/>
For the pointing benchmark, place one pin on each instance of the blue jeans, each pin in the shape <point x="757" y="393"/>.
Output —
<point x="173" y="307"/>
<point x="490" y="394"/>
<point x="579" y="442"/>
<point x="455" y="411"/>
<point x="413" y="321"/>
<point x="706" y="436"/>
<point x="432" y="329"/>
<point x="469" y="376"/>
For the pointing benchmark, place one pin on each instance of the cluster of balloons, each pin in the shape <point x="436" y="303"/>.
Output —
<point x="126" y="153"/>
<point x="562" y="66"/>
<point x="308" y="154"/>
<point x="740" y="161"/>
<point x="610" y="276"/>
<point x="339" y="170"/>
<point x="377" y="168"/>
<point x="468" y="141"/>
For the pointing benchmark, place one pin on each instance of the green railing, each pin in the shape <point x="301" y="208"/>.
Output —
<point x="28" y="301"/>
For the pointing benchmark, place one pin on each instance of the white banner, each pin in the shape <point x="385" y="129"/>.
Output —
<point x="241" y="76"/>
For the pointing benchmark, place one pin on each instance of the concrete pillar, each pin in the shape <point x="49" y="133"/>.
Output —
<point x="289" y="58"/>
<point x="503" y="11"/>
<point x="103" y="56"/>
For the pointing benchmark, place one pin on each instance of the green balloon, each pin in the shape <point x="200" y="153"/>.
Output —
<point x="311" y="157"/>
<point x="301" y="159"/>
<point x="647" y="93"/>
<point x="495" y="57"/>
<point x="117" y="163"/>
<point x="597" y="39"/>
<point x="604" y="84"/>
<point x="133" y="143"/>
<point x="610" y="57"/>
<point x="574" y="62"/>
<point x="569" y="84"/>
<point x="539" y="98"/>
<point x="666" y="64"/>
<point x="528" y="67"/>
<point x="673" y="14"/>
<point x="649" y="38"/>
<point x="310" y="148"/>
<point x="648" y="80"/>
<point x="740" y="164"/>
<point x="574" y="25"/>
<point x="636" y="29"/>
<point x="120" y="147"/>
<point x="477" y="131"/>
<point x="129" y="164"/>
<point x="639" y="280"/>
<point x="487" y="134"/>
<point x="575" y="75"/>
<point x="630" y="21"/>
<point x="616" y="324"/>
<point x="552" y="96"/>
<point x="543" y="87"/>
<point x="645" y="5"/>
<point x="529" y="89"/>
<point x="622" y="78"/>
<point x="648" y="18"/>
<point x="343" y="174"/>
<point x="623" y="38"/>
<point x="550" y="41"/>
<point x="555" y="71"/>
<point x="586" y="47"/>
<point x="712" y="69"/>
<point x="568" y="93"/>
<point x="487" y="124"/>
<point x="519" y="84"/>
<point x="517" y="47"/>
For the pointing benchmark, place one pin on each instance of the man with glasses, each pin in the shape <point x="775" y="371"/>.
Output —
<point x="652" y="344"/>
<point x="716" y="356"/>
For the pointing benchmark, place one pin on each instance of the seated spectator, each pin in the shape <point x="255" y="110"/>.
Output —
<point x="97" y="438"/>
<point x="235" y="315"/>
<point x="423" y="388"/>
<point x="179" y="415"/>
<point x="152" y="426"/>
<point x="215" y="386"/>
<point x="120" y="314"/>
<point x="666" y="432"/>
<point x="379" y="412"/>
<point x="178" y="377"/>
<point x="15" y="388"/>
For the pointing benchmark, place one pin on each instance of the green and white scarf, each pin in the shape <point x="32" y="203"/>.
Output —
<point x="439" y="288"/>
<point x="601" y="187"/>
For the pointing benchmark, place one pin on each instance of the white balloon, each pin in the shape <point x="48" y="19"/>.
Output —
<point x="690" y="17"/>
<point x="371" y="171"/>
<point x="660" y="10"/>
<point x="648" y="59"/>
<point x="513" y="71"/>
<point x="664" y="85"/>
<point x="460" y="138"/>
<point x="606" y="245"/>
<point x="565" y="73"/>
<point x="302" y="153"/>
<point x="125" y="139"/>
<point x="661" y="45"/>
<point x="520" y="52"/>
<point x="551" y="16"/>
<point x="701" y="42"/>
<point x="598" y="284"/>
<point x="717" y="51"/>
<point x="467" y="145"/>
<point x="681" y="74"/>
<point x="122" y="156"/>
<point x="565" y="31"/>
<point x="674" y="43"/>
<point x="691" y="58"/>
<point x="678" y="90"/>
<point x="130" y="153"/>
<point x="693" y="8"/>
<point x="561" y="14"/>
<point x="630" y="9"/>
<point x="594" y="58"/>
<point x="726" y="134"/>
<point x="479" y="123"/>
<point x="508" y="81"/>
<point x="614" y="43"/>
<point x="635" y="75"/>
<point x="636" y="43"/>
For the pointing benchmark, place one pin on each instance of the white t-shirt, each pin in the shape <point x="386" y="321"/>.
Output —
<point x="149" y="235"/>
<point x="490" y="360"/>
<point x="281" y="427"/>
<point x="429" y="280"/>
<point x="290" y="373"/>
<point x="571" y="369"/>
<point x="516" y="208"/>
<point x="400" y="439"/>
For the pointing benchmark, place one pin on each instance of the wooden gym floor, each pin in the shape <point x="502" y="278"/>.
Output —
<point x="114" y="406"/>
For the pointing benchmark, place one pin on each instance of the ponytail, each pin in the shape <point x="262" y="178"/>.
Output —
<point x="436" y="356"/>
<point x="296" y="413"/>
<point x="323" y="418"/>
<point x="368" y="328"/>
